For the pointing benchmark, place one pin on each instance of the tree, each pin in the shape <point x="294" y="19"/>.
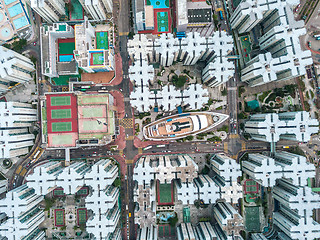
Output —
<point x="189" y="138"/>
<point x="173" y="221"/>
<point x="117" y="182"/>
<point x="179" y="81"/>
<point x="224" y="92"/>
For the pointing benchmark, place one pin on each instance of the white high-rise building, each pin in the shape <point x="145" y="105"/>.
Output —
<point x="97" y="9"/>
<point x="20" y="207"/>
<point x="14" y="67"/>
<point x="103" y="200"/>
<point x="225" y="167"/>
<point x="147" y="233"/>
<point x="266" y="170"/>
<point x="3" y="185"/>
<point x="300" y="199"/>
<point x="284" y="59"/>
<point x="229" y="220"/>
<point x="258" y="236"/>
<point x="15" y="119"/>
<point x="271" y="127"/>
<point x="295" y="226"/>
<point x="166" y="49"/>
<point x="49" y="10"/>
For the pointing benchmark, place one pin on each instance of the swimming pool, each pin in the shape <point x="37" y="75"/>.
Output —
<point x="15" y="10"/>
<point x="20" y="22"/>
<point x="7" y="2"/>
<point x="65" y="58"/>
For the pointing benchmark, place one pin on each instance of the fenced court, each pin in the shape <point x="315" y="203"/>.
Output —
<point x="250" y="186"/>
<point x="93" y="125"/>
<point x="90" y="112"/>
<point x="81" y="216"/>
<point x="166" y="231"/>
<point x="246" y="47"/>
<point x="97" y="58"/>
<point x="61" y="126"/>
<point x="165" y="194"/>
<point x="58" y="192"/>
<point x="252" y="219"/>
<point x="162" y="22"/>
<point x="84" y="191"/>
<point x="93" y="100"/>
<point x="102" y="40"/>
<point x="60" y="101"/>
<point x="62" y="140"/>
<point x="60" y="113"/>
<point x="59" y="217"/>
<point x="66" y="46"/>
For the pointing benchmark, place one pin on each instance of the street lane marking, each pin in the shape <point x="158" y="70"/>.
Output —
<point x="234" y="136"/>
<point x="126" y="122"/>
<point x="24" y="171"/>
<point x="129" y="161"/>
<point x="121" y="152"/>
<point x="140" y="150"/>
<point x="130" y="138"/>
<point x="123" y="33"/>
<point x="225" y="147"/>
<point x="243" y="146"/>
<point x="19" y="169"/>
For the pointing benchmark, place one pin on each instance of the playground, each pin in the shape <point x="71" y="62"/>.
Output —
<point x="65" y="49"/>
<point x="250" y="186"/>
<point x="252" y="219"/>
<point x="102" y="40"/>
<point x="165" y="194"/>
<point x="82" y="216"/>
<point x="59" y="217"/>
<point x="246" y="47"/>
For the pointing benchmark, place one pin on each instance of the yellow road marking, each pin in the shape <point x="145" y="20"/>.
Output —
<point x="121" y="152"/>
<point x="243" y="146"/>
<point x="140" y="150"/>
<point x="225" y="147"/>
<point x="234" y="136"/>
<point x="130" y="138"/>
<point x="24" y="171"/>
<point x="19" y="169"/>
<point x="123" y="33"/>
<point x="129" y="161"/>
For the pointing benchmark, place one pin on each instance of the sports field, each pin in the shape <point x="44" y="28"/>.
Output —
<point x="250" y="186"/>
<point x="59" y="220"/>
<point x="84" y="191"/>
<point x="86" y="100"/>
<point x="246" y="47"/>
<point x="162" y="21"/>
<point x="165" y="194"/>
<point x="102" y="40"/>
<point x="61" y="126"/>
<point x="66" y="139"/>
<point x="166" y="231"/>
<point x="94" y="112"/>
<point x="252" y="217"/>
<point x="60" y="101"/>
<point x="81" y="216"/>
<point x="60" y="113"/>
<point x="96" y="125"/>
<point x="58" y="192"/>
<point x="66" y="46"/>
<point x="96" y="58"/>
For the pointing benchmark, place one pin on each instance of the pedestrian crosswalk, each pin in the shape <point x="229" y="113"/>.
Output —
<point x="140" y="150"/>
<point x="126" y="122"/>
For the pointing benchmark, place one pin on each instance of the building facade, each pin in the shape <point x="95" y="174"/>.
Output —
<point x="14" y="68"/>
<point x="15" y="120"/>
<point x="49" y="10"/>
